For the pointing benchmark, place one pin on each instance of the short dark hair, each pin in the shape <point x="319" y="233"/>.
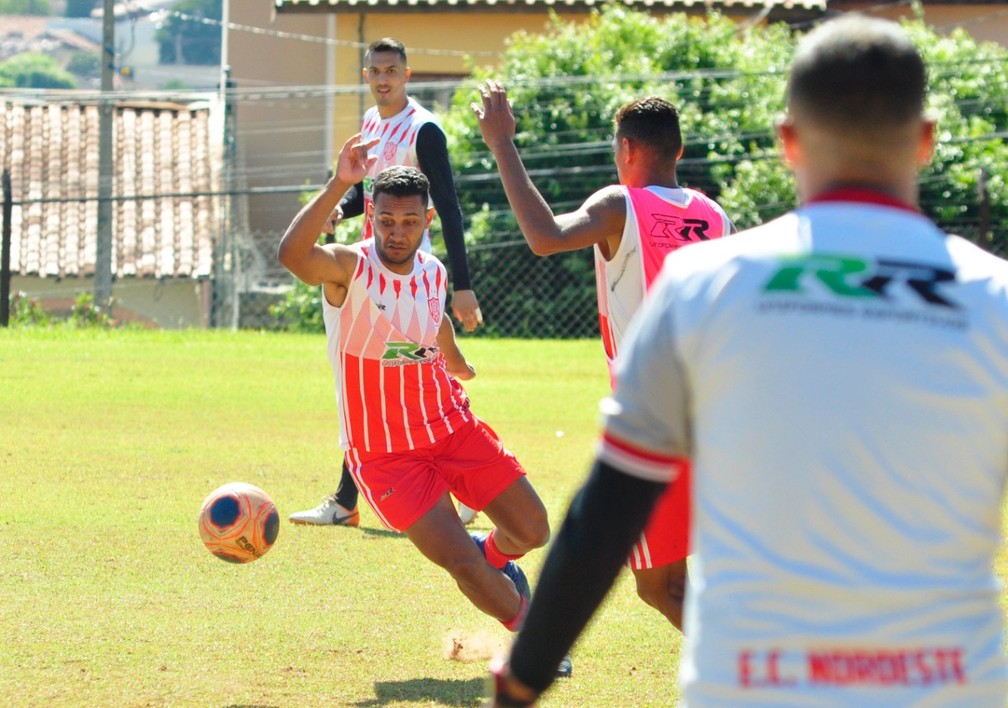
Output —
<point x="387" y="44"/>
<point x="399" y="181"/>
<point x="858" y="73"/>
<point x="654" y="122"/>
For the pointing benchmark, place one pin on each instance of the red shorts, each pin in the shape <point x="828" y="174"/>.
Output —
<point x="400" y="487"/>
<point x="666" y="537"/>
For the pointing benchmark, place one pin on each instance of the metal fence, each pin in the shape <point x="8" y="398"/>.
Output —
<point x="521" y="295"/>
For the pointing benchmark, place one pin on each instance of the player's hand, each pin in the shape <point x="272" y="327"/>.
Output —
<point x="466" y="309"/>
<point x="496" y="120"/>
<point x="465" y="372"/>
<point x="353" y="162"/>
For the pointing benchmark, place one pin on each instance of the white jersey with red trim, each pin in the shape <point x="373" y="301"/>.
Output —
<point x="392" y="388"/>
<point x="839" y="378"/>
<point x="659" y="220"/>
<point x="396" y="146"/>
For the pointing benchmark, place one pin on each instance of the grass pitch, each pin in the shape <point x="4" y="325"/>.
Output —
<point x="109" y="442"/>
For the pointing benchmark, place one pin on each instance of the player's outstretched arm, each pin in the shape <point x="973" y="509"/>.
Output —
<point x="299" y="249"/>
<point x="455" y="361"/>
<point x="600" y="218"/>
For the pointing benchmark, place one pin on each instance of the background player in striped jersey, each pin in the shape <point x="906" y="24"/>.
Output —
<point x="405" y="422"/>
<point x="632" y="227"/>
<point x="839" y="379"/>
<point x="407" y="134"/>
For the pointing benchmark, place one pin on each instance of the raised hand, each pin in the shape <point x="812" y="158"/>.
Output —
<point x="496" y="120"/>
<point x="353" y="162"/>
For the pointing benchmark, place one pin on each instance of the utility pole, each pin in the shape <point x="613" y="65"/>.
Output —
<point x="103" y="250"/>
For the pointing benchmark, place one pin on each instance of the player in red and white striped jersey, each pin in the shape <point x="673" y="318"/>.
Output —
<point x="405" y="422"/>
<point x="409" y="135"/>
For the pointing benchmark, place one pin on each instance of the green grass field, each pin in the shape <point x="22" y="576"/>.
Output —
<point x="110" y="440"/>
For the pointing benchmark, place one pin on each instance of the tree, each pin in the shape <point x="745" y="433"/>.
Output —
<point x="566" y="84"/>
<point x="189" y="40"/>
<point x="24" y="7"/>
<point x="34" y="70"/>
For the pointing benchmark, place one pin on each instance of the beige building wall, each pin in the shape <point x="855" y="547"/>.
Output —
<point x="284" y="140"/>
<point x="987" y="22"/>
<point x="172" y="303"/>
<point x="281" y="135"/>
<point x="436" y="43"/>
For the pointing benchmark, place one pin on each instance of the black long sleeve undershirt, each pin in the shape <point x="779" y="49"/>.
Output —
<point x="432" y="154"/>
<point x="604" y="520"/>
<point x="352" y="203"/>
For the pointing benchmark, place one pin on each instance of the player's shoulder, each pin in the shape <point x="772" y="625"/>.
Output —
<point x="974" y="262"/>
<point x="421" y="114"/>
<point x="428" y="261"/>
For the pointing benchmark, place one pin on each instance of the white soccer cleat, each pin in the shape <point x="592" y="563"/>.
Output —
<point x="466" y="513"/>
<point x="328" y="513"/>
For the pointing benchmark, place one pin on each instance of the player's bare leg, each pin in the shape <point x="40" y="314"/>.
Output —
<point x="520" y="517"/>
<point x="664" y="588"/>
<point x="441" y="537"/>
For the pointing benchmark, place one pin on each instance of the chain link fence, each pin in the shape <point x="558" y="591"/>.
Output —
<point x="49" y="212"/>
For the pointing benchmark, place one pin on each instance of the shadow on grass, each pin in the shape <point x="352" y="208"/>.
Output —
<point x="443" y="692"/>
<point x="381" y="532"/>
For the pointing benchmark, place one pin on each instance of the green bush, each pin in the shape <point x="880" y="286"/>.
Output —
<point x="566" y="84"/>
<point x="34" y="70"/>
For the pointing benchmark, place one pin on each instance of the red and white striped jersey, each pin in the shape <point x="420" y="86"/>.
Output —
<point x="392" y="388"/>
<point x="659" y="220"/>
<point x="396" y="146"/>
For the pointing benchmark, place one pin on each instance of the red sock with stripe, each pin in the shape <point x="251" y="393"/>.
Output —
<point x="513" y="625"/>
<point x="494" y="556"/>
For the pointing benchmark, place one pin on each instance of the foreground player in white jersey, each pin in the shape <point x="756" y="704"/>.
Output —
<point x="631" y="228"/>
<point x="410" y="135"/>
<point x="406" y="427"/>
<point x="839" y="379"/>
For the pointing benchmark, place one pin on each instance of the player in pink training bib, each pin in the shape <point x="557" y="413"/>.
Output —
<point x="631" y="227"/>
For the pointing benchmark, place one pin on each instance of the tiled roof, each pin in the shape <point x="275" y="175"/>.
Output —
<point x="526" y="5"/>
<point x="164" y="157"/>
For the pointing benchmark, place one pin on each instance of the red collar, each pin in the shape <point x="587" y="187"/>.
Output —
<point x="863" y="195"/>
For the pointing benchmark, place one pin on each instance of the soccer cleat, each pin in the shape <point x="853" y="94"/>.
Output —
<point x="517" y="576"/>
<point x="566" y="667"/>
<point x="511" y="569"/>
<point x="467" y="514"/>
<point x="328" y="513"/>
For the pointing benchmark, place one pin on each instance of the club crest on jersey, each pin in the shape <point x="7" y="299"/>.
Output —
<point x="390" y="150"/>
<point x="406" y="353"/>
<point x="434" y="305"/>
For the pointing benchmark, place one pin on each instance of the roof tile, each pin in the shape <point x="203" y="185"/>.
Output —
<point x="166" y="171"/>
<point x="448" y="5"/>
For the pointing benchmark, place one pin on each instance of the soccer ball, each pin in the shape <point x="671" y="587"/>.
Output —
<point x="238" y="522"/>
